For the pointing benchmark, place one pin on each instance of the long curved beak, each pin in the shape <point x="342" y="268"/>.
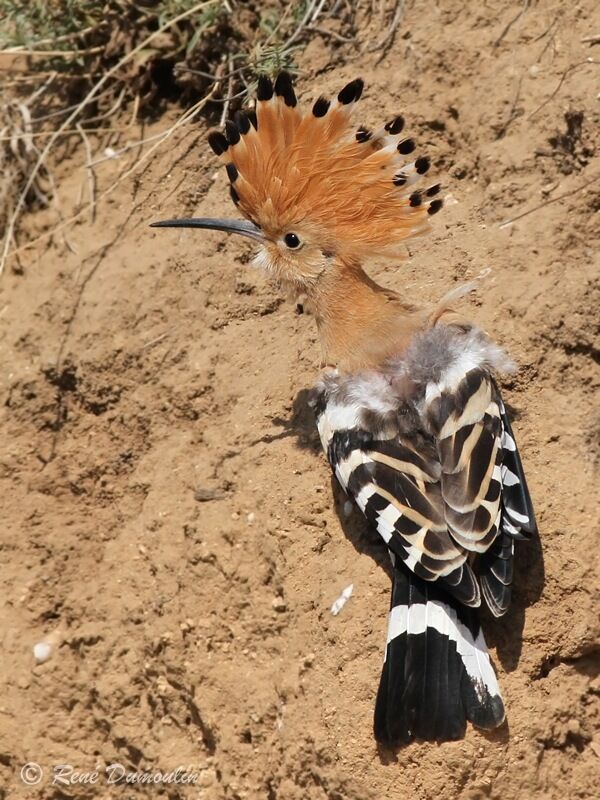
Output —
<point x="242" y="226"/>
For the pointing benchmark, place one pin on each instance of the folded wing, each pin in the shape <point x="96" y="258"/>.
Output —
<point x="446" y="490"/>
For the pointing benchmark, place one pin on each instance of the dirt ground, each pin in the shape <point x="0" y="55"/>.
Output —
<point x="168" y="521"/>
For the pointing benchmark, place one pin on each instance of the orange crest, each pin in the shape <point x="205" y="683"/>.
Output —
<point x="354" y="189"/>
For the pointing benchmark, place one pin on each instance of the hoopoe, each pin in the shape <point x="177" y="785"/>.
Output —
<point x="408" y="409"/>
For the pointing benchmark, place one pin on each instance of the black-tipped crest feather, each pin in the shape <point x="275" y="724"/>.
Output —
<point x="291" y="165"/>
<point x="232" y="132"/>
<point x="284" y="88"/>
<point x="265" y="88"/>
<point x="351" y="92"/>
<point x="218" y="142"/>
<point x="395" y="126"/>
<point x="321" y="107"/>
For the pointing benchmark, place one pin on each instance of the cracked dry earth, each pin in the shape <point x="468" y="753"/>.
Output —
<point x="167" y="517"/>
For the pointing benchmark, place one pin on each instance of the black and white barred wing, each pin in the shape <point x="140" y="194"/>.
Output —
<point x="484" y="489"/>
<point x="431" y="505"/>
<point x="463" y="413"/>
<point x="442" y="486"/>
<point x="517" y="521"/>
<point x="486" y="500"/>
<point x="396" y="485"/>
<point x="465" y="421"/>
<point x="518" y="518"/>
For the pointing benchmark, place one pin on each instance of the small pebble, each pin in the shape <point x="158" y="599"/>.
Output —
<point x="251" y="517"/>
<point x="279" y="604"/>
<point x="205" y="495"/>
<point x="42" y="652"/>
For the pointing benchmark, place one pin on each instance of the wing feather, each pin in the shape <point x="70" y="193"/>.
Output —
<point x="445" y="496"/>
<point x="518" y="517"/>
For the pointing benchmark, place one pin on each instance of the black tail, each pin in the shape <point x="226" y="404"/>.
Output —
<point x="437" y="672"/>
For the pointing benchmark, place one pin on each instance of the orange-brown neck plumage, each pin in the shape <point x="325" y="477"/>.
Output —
<point x="360" y="323"/>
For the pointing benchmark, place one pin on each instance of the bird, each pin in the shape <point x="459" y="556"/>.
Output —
<point x="407" y="405"/>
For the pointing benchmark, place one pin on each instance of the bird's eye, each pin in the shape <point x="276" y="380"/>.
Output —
<point x="292" y="241"/>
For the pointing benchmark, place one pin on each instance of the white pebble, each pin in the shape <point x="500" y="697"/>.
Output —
<point x="42" y="651"/>
<point x="251" y="517"/>
<point x="342" y="600"/>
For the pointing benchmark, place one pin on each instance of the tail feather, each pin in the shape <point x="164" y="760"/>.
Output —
<point x="437" y="673"/>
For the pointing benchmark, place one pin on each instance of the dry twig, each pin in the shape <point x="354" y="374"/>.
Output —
<point x="384" y="43"/>
<point x="9" y="234"/>
<point x="66" y="37"/>
<point x="515" y="19"/>
<point x="69" y="132"/>
<point x="126" y="148"/>
<point x="225" y="110"/>
<point x="510" y="221"/>
<point x="91" y="174"/>
<point x="560" y="83"/>
<point x="513" y="113"/>
<point x="90" y="51"/>
<point x="186" y="117"/>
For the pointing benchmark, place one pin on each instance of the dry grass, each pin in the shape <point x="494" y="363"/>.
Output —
<point x="72" y="66"/>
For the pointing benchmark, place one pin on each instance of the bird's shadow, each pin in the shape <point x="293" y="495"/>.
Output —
<point x="301" y="425"/>
<point x="506" y="633"/>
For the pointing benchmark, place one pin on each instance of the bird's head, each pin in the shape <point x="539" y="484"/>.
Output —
<point x="316" y="191"/>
